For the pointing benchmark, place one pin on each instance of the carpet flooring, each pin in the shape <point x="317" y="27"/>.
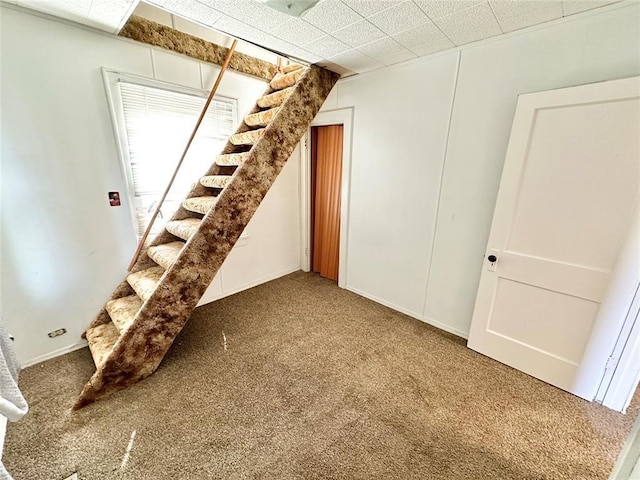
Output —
<point x="299" y="379"/>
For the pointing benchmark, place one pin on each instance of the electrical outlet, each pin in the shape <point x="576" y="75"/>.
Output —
<point x="57" y="333"/>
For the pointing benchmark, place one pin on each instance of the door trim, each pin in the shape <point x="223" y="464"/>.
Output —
<point x="621" y="371"/>
<point x="344" y="117"/>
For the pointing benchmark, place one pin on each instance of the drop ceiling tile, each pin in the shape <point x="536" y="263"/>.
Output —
<point x="238" y="29"/>
<point x="120" y="7"/>
<point x="358" y="34"/>
<point x="224" y="6"/>
<point x="469" y="25"/>
<point x="75" y="10"/>
<point x="278" y="45"/>
<point x="78" y="7"/>
<point x="301" y="53"/>
<point x="193" y="10"/>
<point x="153" y="13"/>
<point x="356" y="61"/>
<point x="470" y="36"/>
<point x="331" y="15"/>
<point x="511" y="23"/>
<point x="200" y="31"/>
<point x="297" y="32"/>
<point x="226" y="24"/>
<point x="383" y="47"/>
<point x="300" y="56"/>
<point x="516" y="8"/>
<point x="241" y="30"/>
<point x="442" y="8"/>
<point x="327" y="46"/>
<point x="401" y="17"/>
<point x="250" y="12"/>
<point x="414" y="37"/>
<point x="109" y="15"/>
<point x="289" y="50"/>
<point x="397" y="57"/>
<point x="432" y="47"/>
<point x="369" y="7"/>
<point x="571" y="7"/>
<point x="352" y="56"/>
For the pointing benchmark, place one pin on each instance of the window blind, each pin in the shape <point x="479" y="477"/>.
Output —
<point x="158" y="123"/>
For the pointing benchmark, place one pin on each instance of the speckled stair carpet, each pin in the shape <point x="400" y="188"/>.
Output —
<point x="132" y="333"/>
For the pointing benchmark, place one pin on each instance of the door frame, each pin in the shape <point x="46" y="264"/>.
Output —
<point x="344" y="117"/>
<point x="618" y="388"/>
<point x="621" y="369"/>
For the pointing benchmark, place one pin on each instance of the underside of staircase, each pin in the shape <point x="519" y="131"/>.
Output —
<point x="133" y="332"/>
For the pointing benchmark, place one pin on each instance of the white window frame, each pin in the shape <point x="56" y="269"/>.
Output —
<point x="112" y="78"/>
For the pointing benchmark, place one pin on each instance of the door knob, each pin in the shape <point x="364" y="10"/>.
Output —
<point x="492" y="258"/>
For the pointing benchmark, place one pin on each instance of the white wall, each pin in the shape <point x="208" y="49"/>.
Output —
<point x="271" y="248"/>
<point x="428" y="152"/>
<point x="64" y="249"/>
<point x="399" y="139"/>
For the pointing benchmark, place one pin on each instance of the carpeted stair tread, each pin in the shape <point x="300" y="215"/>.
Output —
<point x="281" y="81"/>
<point x="101" y="340"/>
<point x="215" y="181"/>
<point x="247" y="138"/>
<point x="170" y="290"/>
<point x="165" y="254"/>
<point x="261" y="119"/>
<point x="231" y="159"/>
<point x="291" y="68"/>
<point x="274" y="99"/>
<point x="123" y="310"/>
<point x="183" y="229"/>
<point x="199" y="204"/>
<point x="144" y="282"/>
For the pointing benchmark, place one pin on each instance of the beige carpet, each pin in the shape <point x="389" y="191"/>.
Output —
<point x="299" y="379"/>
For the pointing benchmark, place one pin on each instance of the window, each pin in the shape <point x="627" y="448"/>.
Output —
<point x="153" y="123"/>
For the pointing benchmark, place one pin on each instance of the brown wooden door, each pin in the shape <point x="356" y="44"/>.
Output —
<point x="326" y="178"/>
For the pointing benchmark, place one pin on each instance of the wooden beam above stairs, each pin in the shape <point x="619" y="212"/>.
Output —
<point x="152" y="33"/>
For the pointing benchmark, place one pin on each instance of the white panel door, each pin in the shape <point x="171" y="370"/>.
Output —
<point x="566" y="199"/>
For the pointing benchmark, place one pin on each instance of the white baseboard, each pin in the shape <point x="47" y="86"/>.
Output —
<point x="53" y="354"/>
<point x="83" y="343"/>
<point x="417" y="316"/>
<point x="260" y="281"/>
<point x="265" y="279"/>
<point x="445" y="327"/>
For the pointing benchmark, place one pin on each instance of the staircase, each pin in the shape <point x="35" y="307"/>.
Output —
<point x="133" y="332"/>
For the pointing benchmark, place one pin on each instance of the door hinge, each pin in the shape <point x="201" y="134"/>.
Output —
<point x="611" y="363"/>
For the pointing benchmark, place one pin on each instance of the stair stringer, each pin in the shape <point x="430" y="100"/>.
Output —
<point x="140" y="349"/>
<point x="143" y="262"/>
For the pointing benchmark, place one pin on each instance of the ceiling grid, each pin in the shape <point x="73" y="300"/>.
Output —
<point x="349" y="36"/>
